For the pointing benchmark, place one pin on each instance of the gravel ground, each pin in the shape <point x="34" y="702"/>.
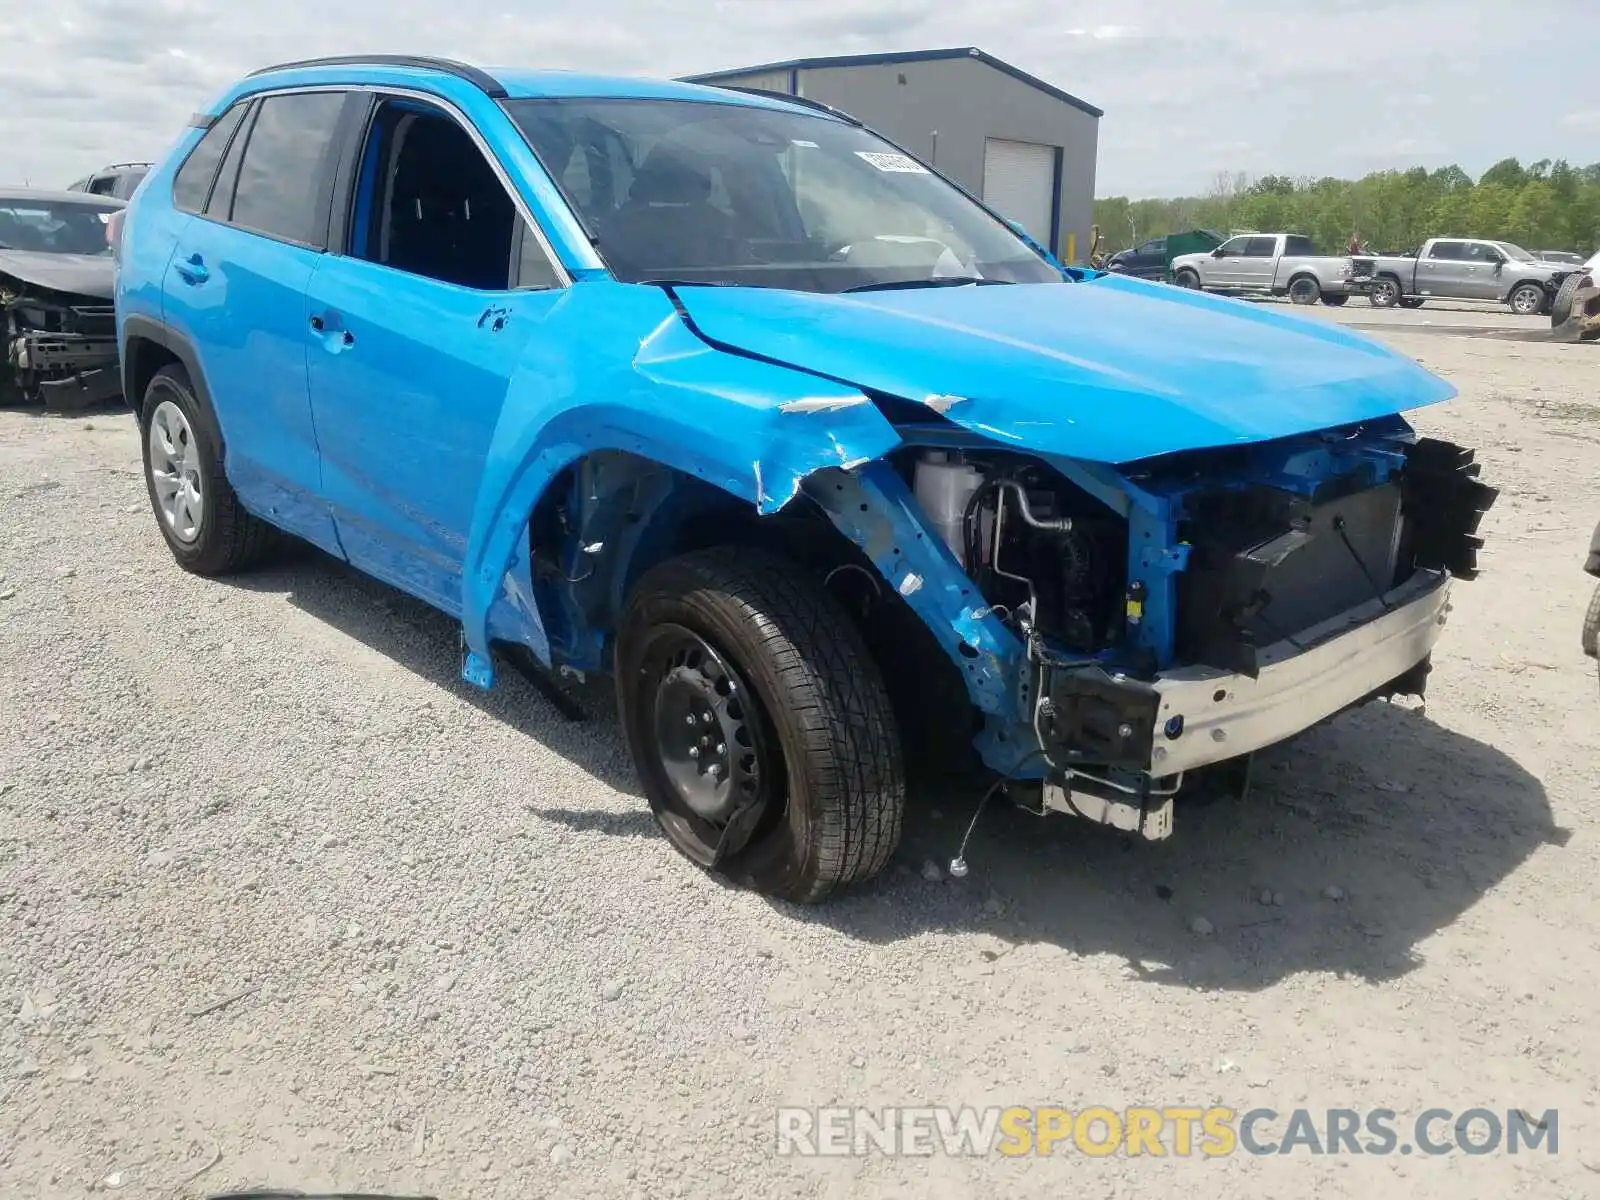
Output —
<point x="443" y="948"/>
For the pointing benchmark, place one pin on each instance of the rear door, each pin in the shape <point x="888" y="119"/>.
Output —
<point x="1444" y="271"/>
<point x="236" y="290"/>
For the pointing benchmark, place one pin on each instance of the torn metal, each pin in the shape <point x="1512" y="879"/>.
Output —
<point x="60" y="330"/>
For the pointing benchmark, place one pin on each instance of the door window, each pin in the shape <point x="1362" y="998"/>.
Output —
<point x="1482" y="252"/>
<point x="1260" y="247"/>
<point x="431" y="204"/>
<point x="283" y="188"/>
<point x="193" y="182"/>
<point x="1449" y="251"/>
<point x="1299" y="245"/>
<point x="1232" y="248"/>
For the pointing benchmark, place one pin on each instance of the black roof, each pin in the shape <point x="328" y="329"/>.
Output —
<point x="56" y="196"/>
<point x="906" y="56"/>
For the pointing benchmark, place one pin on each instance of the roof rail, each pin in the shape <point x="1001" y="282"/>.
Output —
<point x="482" y="80"/>
<point x="802" y="101"/>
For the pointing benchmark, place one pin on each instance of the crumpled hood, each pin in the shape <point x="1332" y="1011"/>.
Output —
<point x="1109" y="370"/>
<point x="91" y="275"/>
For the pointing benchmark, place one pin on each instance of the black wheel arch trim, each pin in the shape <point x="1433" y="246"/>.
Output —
<point x="142" y="328"/>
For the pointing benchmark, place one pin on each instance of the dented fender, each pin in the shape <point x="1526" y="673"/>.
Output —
<point x="614" y="367"/>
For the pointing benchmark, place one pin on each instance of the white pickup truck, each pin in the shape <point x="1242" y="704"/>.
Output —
<point x="1267" y="264"/>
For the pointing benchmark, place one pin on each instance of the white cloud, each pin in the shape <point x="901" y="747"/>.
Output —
<point x="1190" y="87"/>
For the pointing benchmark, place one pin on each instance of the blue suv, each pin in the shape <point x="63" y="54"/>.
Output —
<point x="836" y="472"/>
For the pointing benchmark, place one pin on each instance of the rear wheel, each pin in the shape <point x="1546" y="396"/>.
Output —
<point x="759" y="724"/>
<point x="1385" y="292"/>
<point x="1527" y="299"/>
<point x="1303" y="289"/>
<point x="205" y="526"/>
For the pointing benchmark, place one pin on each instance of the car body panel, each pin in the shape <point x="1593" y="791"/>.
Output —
<point x="1108" y="371"/>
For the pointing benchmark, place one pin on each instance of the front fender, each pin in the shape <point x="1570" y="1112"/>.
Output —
<point x="616" y="368"/>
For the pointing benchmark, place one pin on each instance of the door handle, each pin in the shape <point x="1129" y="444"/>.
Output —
<point x="193" y="269"/>
<point x="330" y="330"/>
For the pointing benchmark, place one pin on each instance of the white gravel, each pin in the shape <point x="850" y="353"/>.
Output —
<point x="282" y="902"/>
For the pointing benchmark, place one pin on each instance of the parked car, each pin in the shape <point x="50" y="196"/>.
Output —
<point x="1271" y="264"/>
<point x="1559" y="256"/>
<point x="1464" y="269"/>
<point x="56" y="278"/>
<point x="1153" y="259"/>
<point x="119" y="180"/>
<point x="1575" y="312"/>
<point x="738" y="401"/>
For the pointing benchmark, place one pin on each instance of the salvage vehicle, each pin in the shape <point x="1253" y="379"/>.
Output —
<point x="1575" y="312"/>
<point x="1559" y="256"/>
<point x="1465" y="269"/>
<point x="56" y="278"/>
<point x="120" y="180"/>
<point x="724" y="395"/>
<point x="1153" y="259"/>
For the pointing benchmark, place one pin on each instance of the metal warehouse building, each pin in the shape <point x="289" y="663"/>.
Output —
<point x="1026" y="147"/>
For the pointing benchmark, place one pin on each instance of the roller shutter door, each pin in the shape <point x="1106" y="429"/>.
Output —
<point x="1019" y="182"/>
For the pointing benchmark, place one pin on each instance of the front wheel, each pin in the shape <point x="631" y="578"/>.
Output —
<point x="1187" y="279"/>
<point x="759" y="724"/>
<point x="1527" y="299"/>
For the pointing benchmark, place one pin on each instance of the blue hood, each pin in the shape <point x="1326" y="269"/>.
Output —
<point x="1109" y="370"/>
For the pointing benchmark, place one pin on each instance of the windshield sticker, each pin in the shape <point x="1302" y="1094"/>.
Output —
<point x="898" y="163"/>
<point x="804" y="145"/>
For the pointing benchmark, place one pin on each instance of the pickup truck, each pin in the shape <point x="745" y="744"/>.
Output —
<point x="1464" y="269"/>
<point x="1271" y="264"/>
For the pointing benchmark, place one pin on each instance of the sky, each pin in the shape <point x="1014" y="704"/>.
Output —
<point x="1191" y="88"/>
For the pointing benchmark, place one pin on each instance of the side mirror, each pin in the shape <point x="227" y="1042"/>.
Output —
<point x="1217" y="253"/>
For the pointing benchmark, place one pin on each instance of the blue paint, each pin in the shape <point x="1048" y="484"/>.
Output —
<point x="417" y="427"/>
<point x="1111" y="371"/>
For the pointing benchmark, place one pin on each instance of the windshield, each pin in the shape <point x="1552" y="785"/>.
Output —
<point x="1516" y="252"/>
<point x="54" y="227"/>
<point x="720" y="193"/>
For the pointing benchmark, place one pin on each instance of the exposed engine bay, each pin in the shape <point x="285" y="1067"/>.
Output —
<point x="61" y="349"/>
<point x="1233" y="568"/>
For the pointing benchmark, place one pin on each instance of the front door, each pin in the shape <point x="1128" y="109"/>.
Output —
<point x="414" y="331"/>
<point x="1225" y="265"/>
<point x="1445" y="271"/>
<point x="1255" y="265"/>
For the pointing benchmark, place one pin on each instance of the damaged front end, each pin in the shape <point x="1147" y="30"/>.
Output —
<point x="1575" y="313"/>
<point x="60" y="348"/>
<point x="1122" y="628"/>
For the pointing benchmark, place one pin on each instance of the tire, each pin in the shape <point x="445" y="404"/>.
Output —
<point x="1591" y="626"/>
<point x="1187" y="279"/>
<point x="1385" y="292"/>
<point x="1527" y="299"/>
<point x="222" y="537"/>
<point x="820" y="742"/>
<point x="1561" y="306"/>
<point x="1304" y="289"/>
<point x="1335" y="299"/>
<point x="1412" y="301"/>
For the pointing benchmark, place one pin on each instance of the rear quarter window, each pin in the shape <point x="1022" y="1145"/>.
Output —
<point x="1300" y="246"/>
<point x="193" y="182"/>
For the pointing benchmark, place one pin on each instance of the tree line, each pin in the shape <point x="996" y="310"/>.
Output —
<point x="1543" y="206"/>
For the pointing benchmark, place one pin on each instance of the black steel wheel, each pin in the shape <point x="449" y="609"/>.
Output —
<point x="759" y="724"/>
<point x="707" y="751"/>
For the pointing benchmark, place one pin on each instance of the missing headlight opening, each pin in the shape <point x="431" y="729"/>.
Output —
<point x="1183" y="633"/>
<point x="61" y="349"/>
